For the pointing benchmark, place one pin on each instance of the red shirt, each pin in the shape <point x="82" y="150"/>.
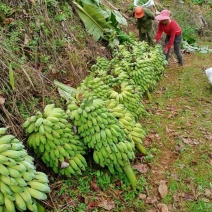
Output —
<point x="172" y="30"/>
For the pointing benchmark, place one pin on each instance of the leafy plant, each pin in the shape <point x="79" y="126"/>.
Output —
<point x="6" y="9"/>
<point x="189" y="34"/>
<point x="101" y="22"/>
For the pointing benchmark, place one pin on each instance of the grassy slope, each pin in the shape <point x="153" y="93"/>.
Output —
<point x="181" y="131"/>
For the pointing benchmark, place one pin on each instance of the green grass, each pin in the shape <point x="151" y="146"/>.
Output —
<point x="183" y="105"/>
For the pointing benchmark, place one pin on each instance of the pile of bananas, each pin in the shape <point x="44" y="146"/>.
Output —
<point x="143" y="63"/>
<point x="20" y="184"/>
<point x="102" y="133"/>
<point x="53" y="139"/>
<point x="133" y="129"/>
<point x="127" y="94"/>
<point x="95" y="87"/>
<point x="101" y="66"/>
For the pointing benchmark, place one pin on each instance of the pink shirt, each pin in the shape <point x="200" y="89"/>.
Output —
<point x="172" y="30"/>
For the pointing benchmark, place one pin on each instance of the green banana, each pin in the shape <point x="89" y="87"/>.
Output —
<point x="4" y="170"/>
<point x="9" y="204"/>
<point x="31" y="128"/>
<point x="36" y="194"/>
<point x="13" y="172"/>
<point x="48" y="109"/>
<point x="73" y="165"/>
<point x="26" y="195"/>
<point x="4" y="147"/>
<point x="39" y="186"/>
<point x="8" y="180"/>
<point x="1" y="198"/>
<point x="14" y="154"/>
<point x="17" y="146"/>
<point x="19" y="202"/>
<point x="6" y="139"/>
<point x="16" y="189"/>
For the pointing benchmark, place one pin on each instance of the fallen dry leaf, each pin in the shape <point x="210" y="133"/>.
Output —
<point x="176" y="197"/>
<point x="8" y="20"/>
<point x="188" y="196"/>
<point x="94" y="186"/>
<point x="208" y="192"/>
<point x="163" y="207"/>
<point x="153" y="210"/>
<point x="26" y="39"/>
<point x="106" y="204"/>
<point x="208" y="137"/>
<point x="142" y="168"/>
<point x="189" y="141"/>
<point x="2" y="100"/>
<point x="32" y="2"/>
<point x="163" y="189"/>
<point x="151" y="200"/>
<point x="142" y="196"/>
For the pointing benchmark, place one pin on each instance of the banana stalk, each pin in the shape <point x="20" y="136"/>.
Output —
<point x="130" y="174"/>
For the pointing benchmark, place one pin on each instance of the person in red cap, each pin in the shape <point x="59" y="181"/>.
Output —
<point x="173" y="34"/>
<point x="144" y="24"/>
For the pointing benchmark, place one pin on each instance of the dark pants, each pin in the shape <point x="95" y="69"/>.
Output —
<point x="146" y="36"/>
<point x="177" y="51"/>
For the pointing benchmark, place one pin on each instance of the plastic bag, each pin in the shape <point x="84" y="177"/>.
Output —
<point x="148" y="4"/>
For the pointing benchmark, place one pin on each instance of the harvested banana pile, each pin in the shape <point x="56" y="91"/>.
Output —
<point x="143" y="63"/>
<point x="135" y="62"/>
<point x="104" y="112"/>
<point x="20" y="184"/>
<point x="102" y="132"/>
<point x="53" y="139"/>
<point x="132" y="129"/>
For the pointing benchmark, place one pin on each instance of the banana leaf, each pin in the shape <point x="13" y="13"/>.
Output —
<point x="98" y="7"/>
<point x="94" y="22"/>
<point x="64" y="90"/>
<point x="91" y="2"/>
<point x="120" y="18"/>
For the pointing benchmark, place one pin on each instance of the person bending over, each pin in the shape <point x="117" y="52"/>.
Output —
<point x="173" y="34"/>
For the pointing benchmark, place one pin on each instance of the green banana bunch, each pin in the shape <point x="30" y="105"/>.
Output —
<point x="20" y="184"/>
<point x="95" y="87"/>
<point x="55" y="140"/>
<point x="101" y="131"/>
<point x="101" y="66"/>
<point x="95" y="123"/>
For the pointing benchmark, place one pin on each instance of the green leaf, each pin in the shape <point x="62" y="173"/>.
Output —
<point x="64" y="90"/>
<point x="120" y="18"/>
<point x="11" y="75"/>
<point x="94" y="22"/>
<point x="91" y="2"/>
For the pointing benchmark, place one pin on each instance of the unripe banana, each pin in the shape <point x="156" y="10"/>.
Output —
<point x="8" y="180"/>
<point x="6" y="139"/>
<point x="39" y="186"/>
<point x="3" y="130"/>
<point x="19" y="202"/>
<point x="36" y="194"/>
<point x="9" y="205"/>
<point x="4" y="170"/>
<point x="13" y="172"/>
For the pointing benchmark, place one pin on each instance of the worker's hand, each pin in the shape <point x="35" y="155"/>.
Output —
<point x="155" y="41"/>
<point x="166" y="50"/>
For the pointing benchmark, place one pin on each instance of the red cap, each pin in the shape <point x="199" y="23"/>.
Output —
<point x="139" y="12"/>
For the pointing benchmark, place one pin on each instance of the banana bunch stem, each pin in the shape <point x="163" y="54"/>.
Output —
<point x="130" y="175"/>
<point x="149" y="95"/>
